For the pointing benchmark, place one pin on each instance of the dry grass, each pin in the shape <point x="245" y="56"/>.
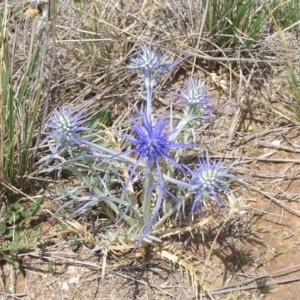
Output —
<point x="217" y="258"/>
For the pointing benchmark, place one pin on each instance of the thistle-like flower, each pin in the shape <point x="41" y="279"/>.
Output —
<point x="238" y="206"/>
<point x="149" y="60"/>
<point x="65" y="128"/>
<point x="152" y="64"/>
<point x="210" y="180"/>
<point x="153" y="145"/>
<point x="198" y="103"/>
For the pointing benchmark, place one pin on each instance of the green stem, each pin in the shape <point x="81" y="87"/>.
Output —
<point x="147" y="196"/>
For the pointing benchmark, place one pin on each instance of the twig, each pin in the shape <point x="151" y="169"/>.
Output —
<point x="51" y="11"/>
<point x="286" y="207"/>
<point x="144" y="283"/>
<point x="15" y="296"/>
<point x="251" y="287"/>
<point x="287" y="271"/>
<point x="249" y="159"/>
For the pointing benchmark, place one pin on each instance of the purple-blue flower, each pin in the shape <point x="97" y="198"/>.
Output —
<point x="152" y="143"/>
<point x="210" y="180"/>
<point x="149" y="60"/>
<point x="151" y="64"/>
<point x="196" y="98"/>
<point x="65" y="127"/>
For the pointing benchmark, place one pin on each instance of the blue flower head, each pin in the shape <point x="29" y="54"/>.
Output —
<point x="148" y="61"/>
<point x="152" y="142"/>
<point x="153" y="145"/>
<point x="210" y="180"/>
<point x="151" y="64"/>
<point x="65" y="127"/>
<point x="198" y="103"/>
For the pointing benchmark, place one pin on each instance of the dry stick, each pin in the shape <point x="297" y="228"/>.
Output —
<point x="246" y="282"/>
<point x="238" y="110"/>
<point x="230" y="94"/>
<point x="274" y="176"/>
<point x="65" y="260"/>
<point x="255" y="286"/>
<point x="243" y="139"/>
<point x="249" y="159"/>
<point x="200" y="33"/>
<point x="279" y="147"/>
<point x="145" y="283"/>
<point x="281" y="131"/>
<point x="279" y="203"/>
<point x="15" y="296"/>
<point x="226" y="59"/>
<point x="46" y="104"/>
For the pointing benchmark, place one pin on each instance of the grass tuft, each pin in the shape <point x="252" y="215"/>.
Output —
<point x="21" y="91"/>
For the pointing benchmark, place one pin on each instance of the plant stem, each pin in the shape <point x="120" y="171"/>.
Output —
<point x="147" y="196"/>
